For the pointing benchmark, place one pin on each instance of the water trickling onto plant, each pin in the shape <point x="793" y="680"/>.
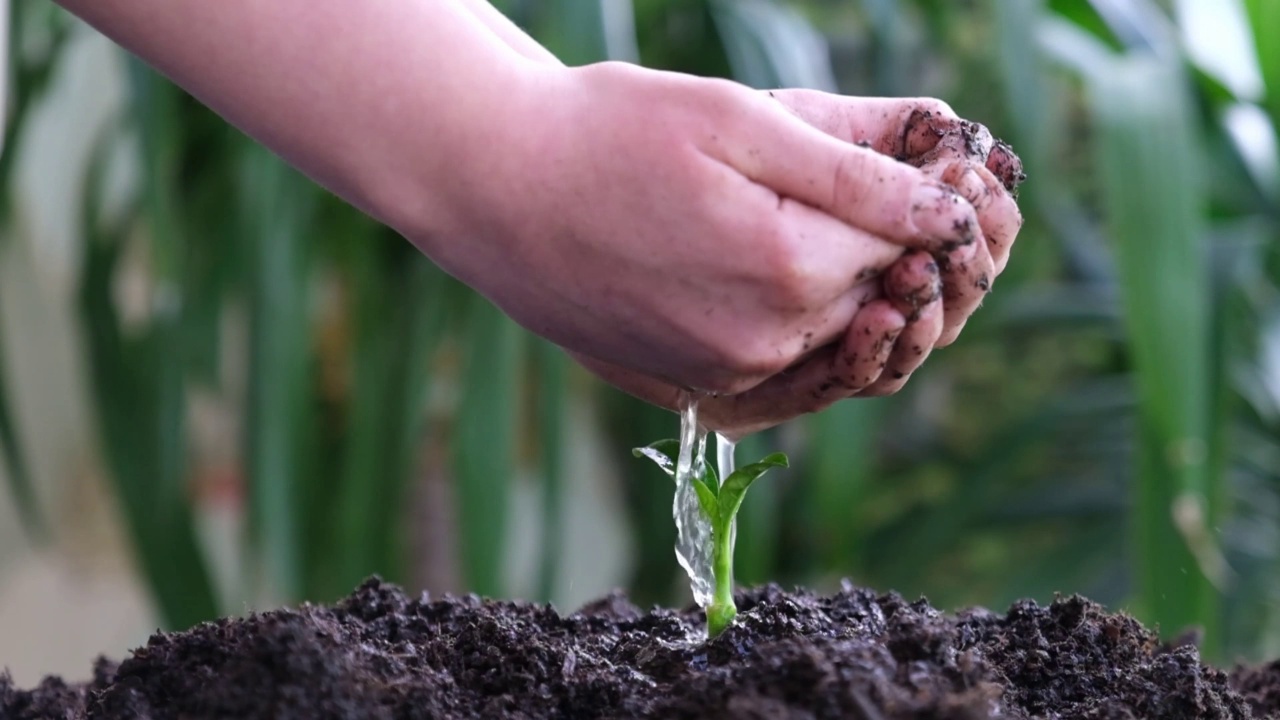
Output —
<point x="693" y="529"/>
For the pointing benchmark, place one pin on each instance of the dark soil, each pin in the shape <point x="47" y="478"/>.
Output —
<point x="855" y="654"/>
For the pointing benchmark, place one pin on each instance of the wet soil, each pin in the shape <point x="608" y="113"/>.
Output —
<point x="855" y="654"/>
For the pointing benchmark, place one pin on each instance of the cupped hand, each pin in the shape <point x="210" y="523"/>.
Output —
<point x="927" y="134"/>
<point x="674" y="232"/>
<point x="686" y="233"/>
<point x="927" y="298"/>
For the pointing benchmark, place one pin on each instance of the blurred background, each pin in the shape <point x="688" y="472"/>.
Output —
<point x="222" y="390"/>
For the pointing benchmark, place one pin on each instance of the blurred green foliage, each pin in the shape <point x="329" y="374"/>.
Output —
<point x="1107" y="424"/>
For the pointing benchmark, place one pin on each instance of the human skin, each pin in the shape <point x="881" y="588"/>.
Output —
<point x="670" y="232"/>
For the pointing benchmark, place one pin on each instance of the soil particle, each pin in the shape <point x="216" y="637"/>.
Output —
<point x="792" y="655"/>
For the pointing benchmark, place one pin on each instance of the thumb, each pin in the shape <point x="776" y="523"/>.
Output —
<point x="853" y="183"/>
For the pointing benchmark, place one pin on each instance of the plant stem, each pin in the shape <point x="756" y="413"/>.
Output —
<point x="721" y="611"/>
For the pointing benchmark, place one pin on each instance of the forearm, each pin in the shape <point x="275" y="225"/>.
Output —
<point x="380" y="102"/>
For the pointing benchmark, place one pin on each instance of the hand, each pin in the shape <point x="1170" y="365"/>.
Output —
<point x="889" y="338"/>
<point x="929" y="135"/>
<point x="687" y="230"/>
<point x="885" y="342"/>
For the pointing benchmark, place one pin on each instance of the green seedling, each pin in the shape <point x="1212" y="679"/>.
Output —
<point x="719" y="502"/>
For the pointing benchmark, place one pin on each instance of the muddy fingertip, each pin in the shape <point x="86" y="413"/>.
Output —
<point x="1006" y="166"/>
<point x="913" y="282"/>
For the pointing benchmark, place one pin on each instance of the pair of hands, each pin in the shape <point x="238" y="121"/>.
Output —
<point x="671" y="232"/>
<point x="780" y="251"/>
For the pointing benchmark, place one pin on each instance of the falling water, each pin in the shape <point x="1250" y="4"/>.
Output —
<point x="693" y="529"/>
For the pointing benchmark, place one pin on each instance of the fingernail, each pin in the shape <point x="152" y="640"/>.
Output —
<point x="940" y="213"/>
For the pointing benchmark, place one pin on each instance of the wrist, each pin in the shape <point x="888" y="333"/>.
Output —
<point x="457" y="187"/>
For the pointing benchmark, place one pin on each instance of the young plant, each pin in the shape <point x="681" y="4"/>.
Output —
<point x="719" y="503"/>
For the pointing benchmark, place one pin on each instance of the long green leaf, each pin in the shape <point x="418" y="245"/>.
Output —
<point x="15" y="462"/>
<point x="587" y="31"/>
<point x="400" y="313"/>
<point x="1264" y="18"/>
<point x="1149" y="162"/>
<point x="841" y="455"/>
<point x="756" y="548"/>
<point x="552" y="368"/>
<point x="484" y="443"/>
<point x="646" y="497"/>
<point x="125" y="378"/>
<point x="279" y="352"/>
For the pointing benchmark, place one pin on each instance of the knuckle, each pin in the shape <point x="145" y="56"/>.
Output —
<point x="789" y="274"/>
<point x="851" y="174"/>
<point x="933" y="106"/>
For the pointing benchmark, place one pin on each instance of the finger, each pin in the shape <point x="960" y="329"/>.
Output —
<point x="897" y="127"/>
<point x="999" y="217"/>
<point x="914" y="287"/>
<point x="857" y="185"/>
<point x="810" y="272"/>
<point x="956" y="282"/>
<point x="910" y="351"/>
<point x="834" y="373"/>
<point x="965" y="283"/>
<point x="1006" y="166"/>
<point x="968" y="272"/>
<point x="825" y="254"/>
<point x="912" y="283"/>
<point x="831" y="374"/>
<point x="861" y="358"/>
<point x="998" y="213"/>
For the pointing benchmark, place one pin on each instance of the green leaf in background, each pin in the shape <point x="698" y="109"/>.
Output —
<point x="840" y="453"/>
<point x="1264" y="19"/>
<point x="552" y="403"/>
<point x="484" y="443"/>
<point x="888" y="27"/>
<point x="756" y="548"/>
<point x="276" y="227"/>
<point x="16" y="470"/>
<point x="580" y="32"/>
<point x="28" y="79"/>
<point x="400" y="313"/>
<point x="1028" y="95"/>
<point x="631" y="423"/>
<point x="130" y="380"/>
<point x="1149" y="164"/>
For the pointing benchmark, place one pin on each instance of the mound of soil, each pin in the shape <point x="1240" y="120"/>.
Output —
<point x="854" y="654"/>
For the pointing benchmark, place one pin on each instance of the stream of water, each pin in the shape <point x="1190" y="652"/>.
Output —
<point x="693" y="530"/>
